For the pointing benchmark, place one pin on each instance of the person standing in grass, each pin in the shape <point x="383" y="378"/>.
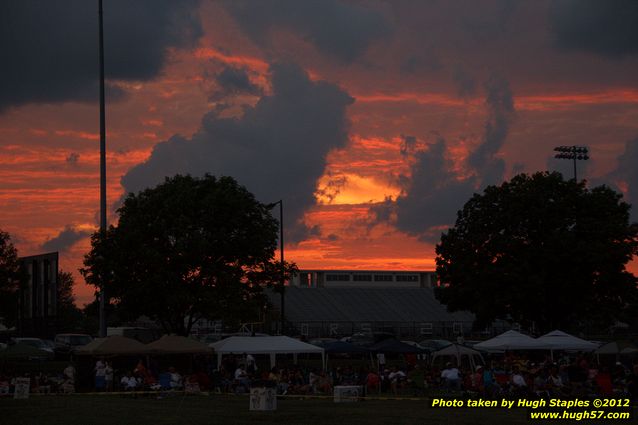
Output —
<point x="100" y="375"/>
<point x="451" y="377"/>
<point x="68" y="386"/>
<point x="108" y="376"/>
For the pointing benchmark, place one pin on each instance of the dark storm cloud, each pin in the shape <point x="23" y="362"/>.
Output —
<point x="73" y="158"/>
<point x="486" y="21"/>
<point x="50" y="47"/>
<point x="608" y="28"/>
<point x="65" y="239"/>
<point x="408" y="144"/>
<point x="336" y="28"/>
<point x="233" y="81"/>
<point x="465" y="83"/>
<point x="332" y="237"/>
<point x="277" y="148"/>
<point x="626" y="174"/>
<point x="431" y="198"/>
<point x="434" y="192"/>
<point x="428" y="61"/>
<point x="500" y="106"/>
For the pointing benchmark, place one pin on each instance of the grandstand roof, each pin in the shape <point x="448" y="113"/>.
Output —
<point x="366" y="305"/>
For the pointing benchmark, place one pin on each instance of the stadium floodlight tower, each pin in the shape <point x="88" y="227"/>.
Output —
<point x="575" y="153"/>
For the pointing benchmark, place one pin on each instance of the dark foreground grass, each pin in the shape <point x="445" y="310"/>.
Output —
<point x="216" y="409"/>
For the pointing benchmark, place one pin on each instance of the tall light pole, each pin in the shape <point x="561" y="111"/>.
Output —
<point x="283" y="267"/>
<point x="102" y="170"/>
<point x="574" y="153"/>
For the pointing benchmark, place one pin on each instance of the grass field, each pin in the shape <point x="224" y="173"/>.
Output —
<point x="217" y="409"/>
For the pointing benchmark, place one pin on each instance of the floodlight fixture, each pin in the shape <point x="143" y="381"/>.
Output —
<point x="580" y="153"/>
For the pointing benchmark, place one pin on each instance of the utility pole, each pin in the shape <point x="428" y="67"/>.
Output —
<point x="282" y="283"/>
<point x="283" y="267"/>
<point x="102" y="170"/>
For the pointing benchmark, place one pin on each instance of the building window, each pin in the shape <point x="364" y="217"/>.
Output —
<point x="426" y="328"/>
<point x="407" y="278"/>
<point x="338" y="278"/>
<point x="383" y="278"/>
<point x="362" y="277"/>
<point x="305" y="279"/>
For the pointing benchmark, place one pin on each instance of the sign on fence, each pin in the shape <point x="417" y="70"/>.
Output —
<point x="263" y="398"/>
<point x="345" y="394"/>
<point x="22" y="386"/>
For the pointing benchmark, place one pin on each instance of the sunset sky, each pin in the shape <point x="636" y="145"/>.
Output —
<point x="374" y="121"/>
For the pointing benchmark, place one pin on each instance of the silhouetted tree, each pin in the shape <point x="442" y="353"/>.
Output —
<point x="65" y="298"/>
<point x="12" y="276"/>
<point x="189" y="248"/>
<point x="91" y="319"/>
<point x="69" y="316"/>
<point x="539" y="249"/>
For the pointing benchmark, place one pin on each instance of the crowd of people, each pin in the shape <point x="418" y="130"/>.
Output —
<point x="504" y="376"/>
<point x="568" y="376"/>
<point x="41" y="383"/>
<point x="139" y="378"/>
<point x="512" y="375"/>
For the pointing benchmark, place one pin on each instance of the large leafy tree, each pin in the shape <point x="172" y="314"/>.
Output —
<point x="11" y="277"/>
<point x="541" y="250"/>
<point x="189" y="248"/>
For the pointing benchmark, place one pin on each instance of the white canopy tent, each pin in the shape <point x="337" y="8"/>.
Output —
<point x="559" y="340"/>
<point x="615" y="349"/>
<point x="271" y="345"/>
<point x="465" y="357"/>
<point x="510" y="340"/>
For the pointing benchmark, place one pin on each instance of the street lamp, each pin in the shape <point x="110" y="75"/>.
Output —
<point x="574" y="153"/>
<point x="283" y="268"/>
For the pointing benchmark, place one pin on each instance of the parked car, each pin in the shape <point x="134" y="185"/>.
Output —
<point x="37" y="343"/>
<point x="143" y="335"/>
<point x="210" y="338"/>
<point x="367" y="339"/>
<point x="321" y="341"/>
<point x="66" y="343"/>
<point x="416" y="344"/>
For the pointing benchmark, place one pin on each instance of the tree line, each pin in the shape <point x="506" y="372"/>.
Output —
<point x="537" y="250"/>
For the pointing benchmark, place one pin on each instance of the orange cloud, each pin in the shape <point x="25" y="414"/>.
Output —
<point x="355" y="189"/>
<point x="38" y="132"/>
<point x="567" y="100"/>
<point x="523" y="102"/>
<point x="153" y="122"/>
<point x="77" y="134"/>
<point x="245" y="61"/>
<point x="420" y="98"/>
